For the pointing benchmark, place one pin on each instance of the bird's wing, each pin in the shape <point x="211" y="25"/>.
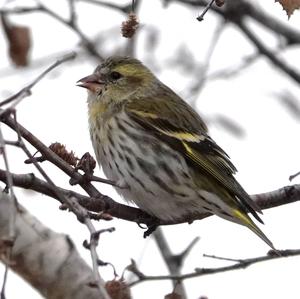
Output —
<point x="178" y="125"/>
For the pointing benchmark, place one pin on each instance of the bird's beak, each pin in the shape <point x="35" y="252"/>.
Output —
<point x="92" y="82"/>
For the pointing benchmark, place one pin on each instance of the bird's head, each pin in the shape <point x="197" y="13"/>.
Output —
<point x="116" y="79"/>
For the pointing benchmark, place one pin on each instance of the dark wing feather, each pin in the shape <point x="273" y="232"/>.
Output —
<point x="178" y="125"/>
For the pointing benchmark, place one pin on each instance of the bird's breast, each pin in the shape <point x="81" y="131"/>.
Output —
<point x="105" y="137"/>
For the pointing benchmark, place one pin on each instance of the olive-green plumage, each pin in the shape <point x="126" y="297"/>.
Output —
<point x="158" y="148"/>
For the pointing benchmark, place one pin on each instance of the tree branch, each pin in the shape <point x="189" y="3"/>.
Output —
<point x="71" y="23"/>
<point x="236" y="11"/>
<point x="291" y="35"/>
<point x="205" y="10"/>
<point x="81" y="213"/>
<point x="93" y="204"/>
<point x="26" y="91"/>
<point x="269" y="54"/>
<point x="282" y="196"/>
<point x="68" y="276"/>
<point x="124" y="8"/>
<point x="240" y="264"/>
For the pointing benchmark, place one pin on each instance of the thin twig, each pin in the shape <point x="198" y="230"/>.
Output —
<point x="84" y="178"/>
<point x="26" y="91"/>
<point x="95" y="258"/>
<point x="276" y="25"/>
<point x="205" y="10"/>
<point x="85" y="40"/>
<point x="69" y="23"/>
<point x="105" y="181"/>
<point x="2" y="294"/>
<point x="196" y="88"/>
<point x="55" y="190"/>
<point x="73" y="16"/>
<point x="51" y="156"/>
<point x="124" y="9"/>
<point x="293" y="74"/>
<point x="133" y="5"/>
<point x="235" y="70"/>
<point x="207" y="271"/>
<point x="294" y="176"/>
<point x="188" y="249"/>
<point x="223" y="258"/>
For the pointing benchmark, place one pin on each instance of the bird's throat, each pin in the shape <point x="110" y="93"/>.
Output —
<point x="97" y="109"/>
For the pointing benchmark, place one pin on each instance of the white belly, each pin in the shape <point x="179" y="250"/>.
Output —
<point x="155" y="177"/>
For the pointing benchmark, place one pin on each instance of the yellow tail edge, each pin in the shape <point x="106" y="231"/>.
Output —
<point x="247" y="221"/>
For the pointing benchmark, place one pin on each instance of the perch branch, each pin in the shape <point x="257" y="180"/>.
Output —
<point x="282" y="196"/>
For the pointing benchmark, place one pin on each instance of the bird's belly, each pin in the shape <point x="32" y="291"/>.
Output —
<point x="149" y="173"/>
<point x="149" y="186"/>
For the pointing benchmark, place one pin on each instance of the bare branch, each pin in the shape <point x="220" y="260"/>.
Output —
<point x="248" y="9"/>
<point x="173" y="265"/>
<point x="94" y="255"/>
<point x="197" y="3"/>
<point x="201" y="73"/>
<point x="82" y="216"/>
<point x="278" y="197"/>
<point x="73" y="16"/>
<point x="240" y="264"/>
<point x="205" y="10"/>
<point x="94" y="204"/>
<point x="269" y="54"/>
<point x="69" y="275"/>
<point x="26" y="91"/>
<point x="188" y="249"/>
<point x="77" y="209"/>
<point x="294" y="176"/>
<point x="73" y="26"/>
<point x="290" y="102"/>
<point x="174" y="262"/>
<point x="282" y="196"/>
<point x="2" y="294"/>
<point x="10" y="237"/>
<point x="235" y="70"/>
<point x="236" y="11"/>
<point x="222" y="258"/>
<point x="69" y="23"/>
<point x="291" y="35"/>
<point x="124" y="9"/>
<point x="50" y="155"/>
<point x="9" y="182"/>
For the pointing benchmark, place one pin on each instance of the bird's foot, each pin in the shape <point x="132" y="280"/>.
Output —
<point x="151" y="227"/>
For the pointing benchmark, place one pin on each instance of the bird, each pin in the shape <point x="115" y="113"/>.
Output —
<point x="158" y="150"/>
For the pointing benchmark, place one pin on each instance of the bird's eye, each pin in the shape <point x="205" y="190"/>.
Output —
<point x="115" y="75"/>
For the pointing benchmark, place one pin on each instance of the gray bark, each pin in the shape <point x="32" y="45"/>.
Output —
<point x="45" y="259"/>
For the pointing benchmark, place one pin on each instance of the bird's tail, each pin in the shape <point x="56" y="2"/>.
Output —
<point x="247" y="221"/>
